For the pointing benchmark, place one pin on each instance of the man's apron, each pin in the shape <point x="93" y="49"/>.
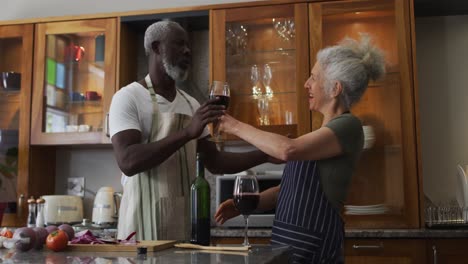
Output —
<point x="155" y="203"/>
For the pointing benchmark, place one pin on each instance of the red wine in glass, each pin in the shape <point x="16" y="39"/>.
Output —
<point x="221" y="90"/>
<point x="246" y="198"/>
<point x="246" y="203"/>
<point x="222" y="100"/>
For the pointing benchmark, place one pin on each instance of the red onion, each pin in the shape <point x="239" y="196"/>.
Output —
<point x="69" y="230"/>
<point x="41" y="235"/>
<point x="25" y="238"/>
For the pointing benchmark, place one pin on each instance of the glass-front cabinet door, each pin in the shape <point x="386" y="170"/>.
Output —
<point x="384" y="190"/>
<point x="16" y="50"/>
<point x="258" y="52"/>
<point x="74" y="81"/>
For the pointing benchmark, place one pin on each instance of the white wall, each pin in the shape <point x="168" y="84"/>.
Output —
<point x="97" y="165"/>
<point x="442" y="59"/>
<point x="21" y="9"/>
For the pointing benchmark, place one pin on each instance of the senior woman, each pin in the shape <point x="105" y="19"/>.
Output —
<point x="320" y="163"/>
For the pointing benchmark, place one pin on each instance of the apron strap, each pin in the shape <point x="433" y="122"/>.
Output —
<point x="149" y="84"/>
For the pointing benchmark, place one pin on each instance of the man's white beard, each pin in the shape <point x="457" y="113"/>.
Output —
<point x="175" y="72"/>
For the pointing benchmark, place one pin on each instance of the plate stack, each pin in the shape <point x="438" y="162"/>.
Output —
<point x="366" y="209"/>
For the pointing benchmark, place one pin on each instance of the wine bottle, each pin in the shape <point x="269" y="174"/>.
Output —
<point x="200" y="206"/>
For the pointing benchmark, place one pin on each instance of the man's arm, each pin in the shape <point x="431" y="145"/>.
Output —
<point x="133" y="156"/>
<point x="220" y="162"/>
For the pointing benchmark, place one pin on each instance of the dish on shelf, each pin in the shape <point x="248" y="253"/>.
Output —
<point x="366" y="209"/>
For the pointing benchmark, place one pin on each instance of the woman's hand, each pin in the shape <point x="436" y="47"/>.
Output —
<point x="226" y="211"/>
<point x="228" y="124"/>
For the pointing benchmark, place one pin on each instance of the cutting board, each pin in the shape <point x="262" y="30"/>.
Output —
<point x="151" y="245"/>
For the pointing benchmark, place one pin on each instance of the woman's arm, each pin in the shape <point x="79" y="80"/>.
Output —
<point x="227" y="209"/>
<point x="319" y="144"/>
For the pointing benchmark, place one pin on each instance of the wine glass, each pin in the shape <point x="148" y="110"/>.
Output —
<point x="254" y="78"/>
<point x="267" y="75"/>
<point x="246" y="198"/>
<point x="221" y="90"/>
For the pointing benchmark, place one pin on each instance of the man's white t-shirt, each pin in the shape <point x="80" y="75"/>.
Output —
<point x="132" y="108"/>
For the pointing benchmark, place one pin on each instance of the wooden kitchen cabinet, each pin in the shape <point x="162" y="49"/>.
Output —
<point x="391" y="251"/>
<point x="272" y="40"/>
<point x="74" y="81"/>
<point x="387" y="171"/>
<point x="16" y="50"/>
<point x="23" y="171"/>
<point x="441" y="251"/>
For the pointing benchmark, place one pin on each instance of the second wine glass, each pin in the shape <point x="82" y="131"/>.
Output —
<point x="221" y="91"/>
<point x="246" y="198"/>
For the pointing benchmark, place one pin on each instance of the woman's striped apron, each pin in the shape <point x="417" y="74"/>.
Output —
<point x="155" y="203"/>
<point x="305" y="219"/>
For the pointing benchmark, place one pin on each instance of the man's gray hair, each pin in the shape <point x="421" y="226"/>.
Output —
<point x="353" y="64"/>
<point x="159" y="31"/>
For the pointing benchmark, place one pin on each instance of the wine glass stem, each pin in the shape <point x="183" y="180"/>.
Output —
<point x="246" y="238"/>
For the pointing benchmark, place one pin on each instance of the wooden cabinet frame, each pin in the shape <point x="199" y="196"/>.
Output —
<point x="109" y="26"/>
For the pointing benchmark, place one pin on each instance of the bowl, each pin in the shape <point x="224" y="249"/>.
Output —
<point x="11" y="80"/>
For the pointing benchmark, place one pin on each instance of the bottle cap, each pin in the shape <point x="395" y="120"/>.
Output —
<point x="141" y="250"/>
<point x="31" y="200"/>
<point x="40" y="201"/>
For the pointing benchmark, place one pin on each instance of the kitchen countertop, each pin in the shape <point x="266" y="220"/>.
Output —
<point x="354" y="233"/>
<point x="257" y="254"/>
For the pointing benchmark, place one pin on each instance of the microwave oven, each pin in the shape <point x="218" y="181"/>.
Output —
<point x="224" y="190"/>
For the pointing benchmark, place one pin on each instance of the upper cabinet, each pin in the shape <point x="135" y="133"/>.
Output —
<point x="16" y="53"/>
<point x="262" y="52"/>
<point x="74" y="81"/>
<point x="386" y="176"/>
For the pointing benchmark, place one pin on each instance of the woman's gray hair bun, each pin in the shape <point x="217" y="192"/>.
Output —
<point x="352" y="63"/>
<point x="371" y="56"/>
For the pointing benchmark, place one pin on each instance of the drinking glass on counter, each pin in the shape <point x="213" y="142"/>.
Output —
<point x="246" y="198"/>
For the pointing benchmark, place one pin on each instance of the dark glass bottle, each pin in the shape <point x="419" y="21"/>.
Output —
<point x="200" y="206"/>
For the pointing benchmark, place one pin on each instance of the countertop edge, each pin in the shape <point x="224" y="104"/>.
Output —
<point x="354" y="233"/>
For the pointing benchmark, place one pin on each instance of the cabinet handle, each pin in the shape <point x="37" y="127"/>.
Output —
<point x="380" y="246"/>
<point x="434" y="254"/>
<point x="106" y="125"/>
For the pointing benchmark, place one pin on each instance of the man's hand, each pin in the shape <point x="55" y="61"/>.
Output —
<point x="207" y="113"/>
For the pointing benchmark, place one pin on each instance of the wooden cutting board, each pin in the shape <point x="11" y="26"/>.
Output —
<point x="151" y="245"/>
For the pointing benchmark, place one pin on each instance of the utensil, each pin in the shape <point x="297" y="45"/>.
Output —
<point x="221" y="248"/>
<point x="150" y="245"/>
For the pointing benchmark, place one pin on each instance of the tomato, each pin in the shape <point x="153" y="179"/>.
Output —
<point x="6" y="233"/>
<point x="57" y="240"/>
